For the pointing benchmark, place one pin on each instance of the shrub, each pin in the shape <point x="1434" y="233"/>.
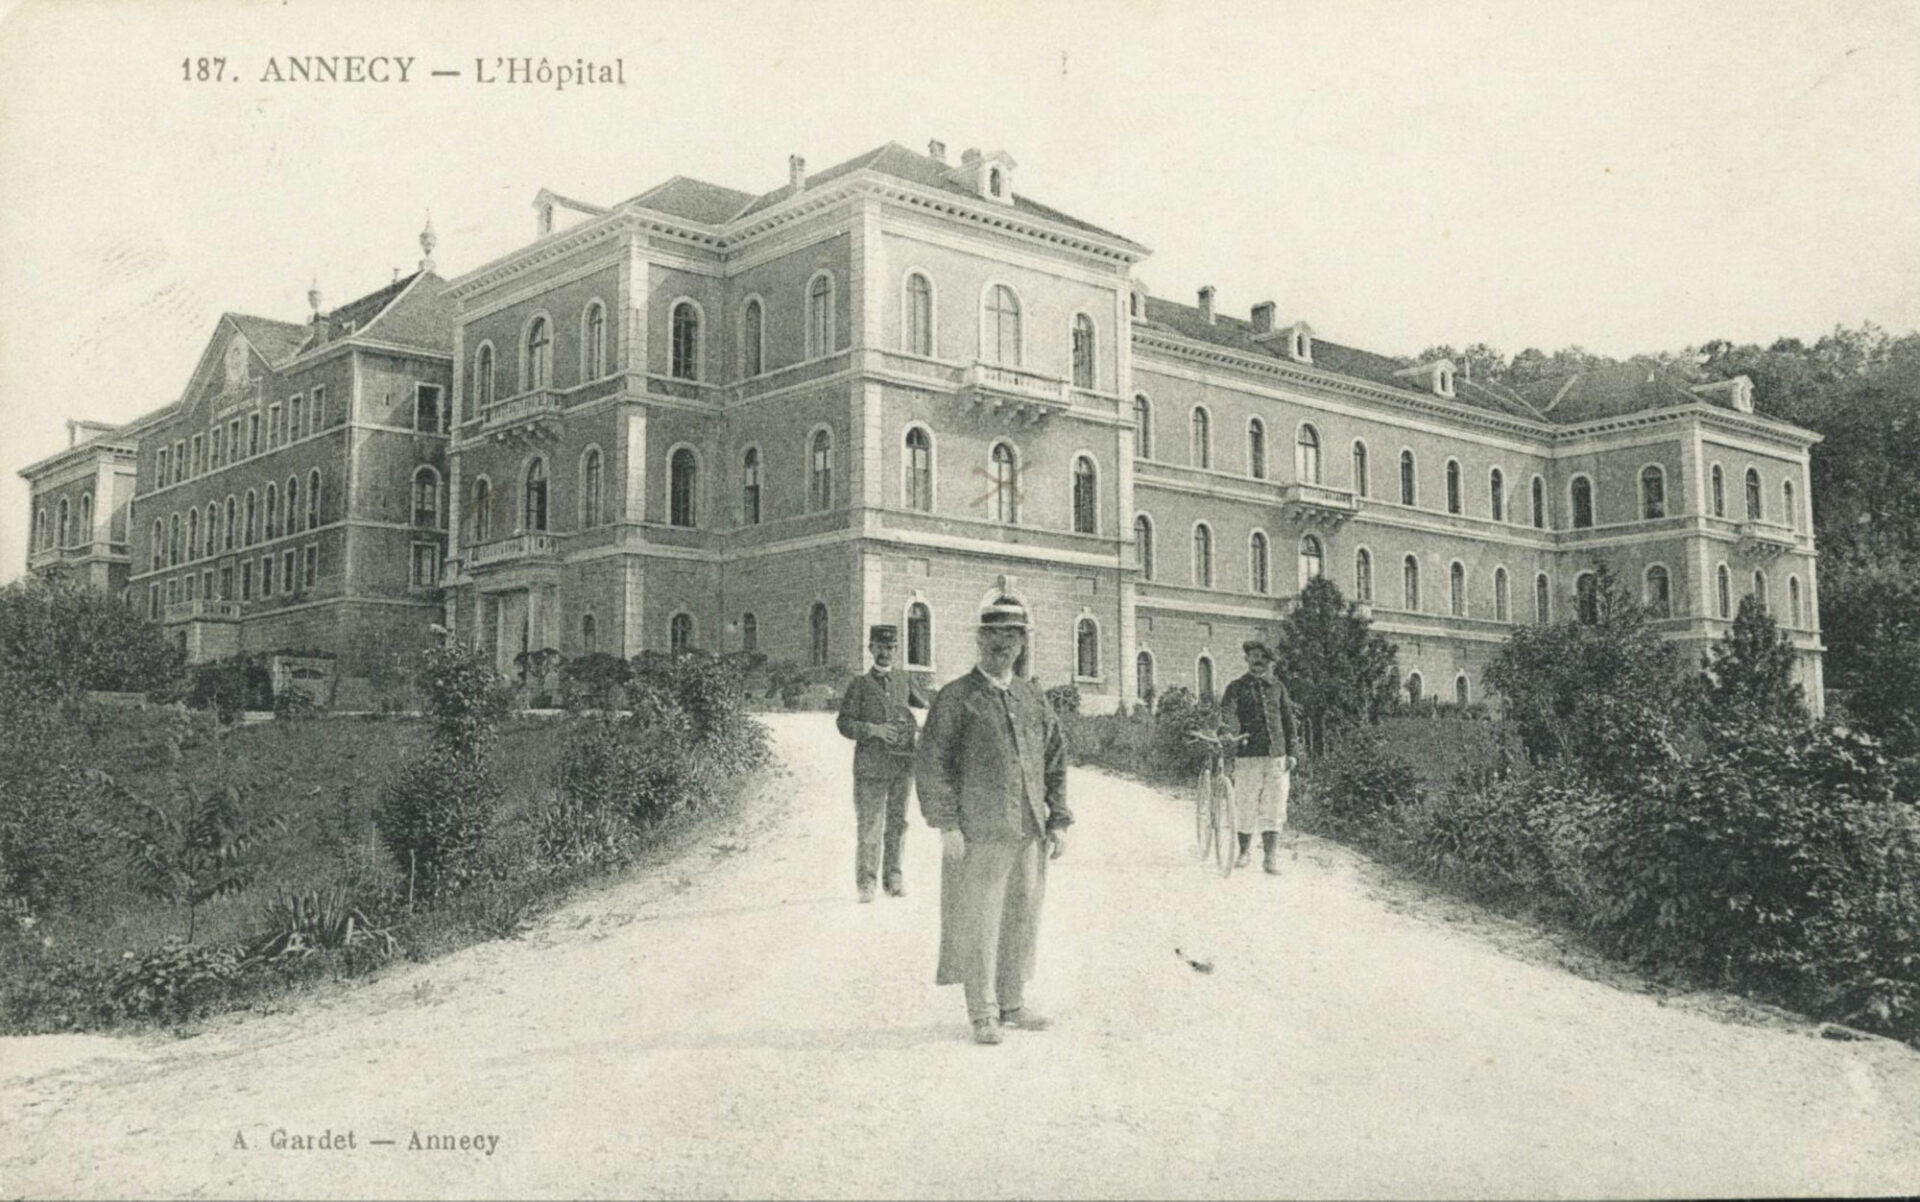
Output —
<point x="196" y="852"/>
<point x="436" y="816"/>
<point x="1355" y="786"/>
<point x="174" y="982"/>
<point x="229" y="686"/>
<point x="1337" y="671"/>
<point x="593" y="681"/>
<point x="61" y="637"/>
<point x="1064" y="698"/>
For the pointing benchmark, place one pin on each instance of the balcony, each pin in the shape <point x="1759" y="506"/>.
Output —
<point x="203" y="609"/>
<point x="1767" y="539"/>
<point x="1025" y="395"/>
<point x="1317" y="505"/>
<point x="520" y="548"/>
<point x="532" y="416"/>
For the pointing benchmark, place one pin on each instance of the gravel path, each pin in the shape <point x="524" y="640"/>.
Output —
<point x="735" y="1025"/>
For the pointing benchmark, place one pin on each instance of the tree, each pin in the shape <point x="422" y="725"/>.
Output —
<point x="59" y="637"/>
<point x="192" y="856"/>
<point x="1749" y="673"/>
<point x="1337" y="670"/>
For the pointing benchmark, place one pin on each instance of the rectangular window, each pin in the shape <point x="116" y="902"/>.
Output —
<point x="266" y="577"/>
<point x="199" y="454"/>
<point x="317" y="407"/>
<point x="153" y="602"/>
<point x="426" y="565"/>
<point x="206" y="584"/>
<point x="179" y="461"/>
<point x="310" y="570"/>
<point x="226" y="582"/>
<point x="286" y="571"/>
<point x="246" y="581"/>
<point x="295" y="408"/>
<point x="253" y="433"/>
<point x="233" y="441"/>
<point x="276" y="433"/>
<point x="160" y="468"/>
<point x="428" y="413"/>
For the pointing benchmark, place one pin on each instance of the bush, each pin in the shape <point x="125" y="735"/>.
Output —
<point x="593" y="681"/>
<point x="230" y="686"/>
<point x="1180" y="714"/>
<point x="1354" y="788"/>
<point x="436" y="817"/>
<point x="174" y="982"/>
<point x="1064" y="698"/>
<point x="60" y="637"/>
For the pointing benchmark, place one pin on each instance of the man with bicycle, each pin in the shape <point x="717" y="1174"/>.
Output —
<point x="1257" y="708"/>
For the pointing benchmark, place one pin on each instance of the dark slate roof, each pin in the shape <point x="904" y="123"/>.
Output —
<point x="694" y="200"/>
<point x="355" y="316"/>
<point x="898" y="161"/>
<point x="275" y="340"/>
<point x="1606" y="391"/>
<point x="422" y="315"/>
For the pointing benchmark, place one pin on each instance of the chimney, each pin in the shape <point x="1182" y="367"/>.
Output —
<point x="937" y="151"/>
<point x="1206" y="304"/>
<point x="796" y="172"/>
<point x="1263" y="318"/>
<point x="317" y="324"/>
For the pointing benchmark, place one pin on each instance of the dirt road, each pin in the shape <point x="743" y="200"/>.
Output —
<point x="736" y="1025"/>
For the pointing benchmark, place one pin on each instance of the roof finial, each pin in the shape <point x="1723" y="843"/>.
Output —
<point x="427" y="242"/>
<point x="313" y="296"/>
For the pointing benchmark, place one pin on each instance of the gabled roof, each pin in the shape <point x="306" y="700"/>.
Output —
<point x="356" y="315"/>
<point x="693" y="199"/>
<point x="276" y="341"/>
<point x="1609" y="390"/>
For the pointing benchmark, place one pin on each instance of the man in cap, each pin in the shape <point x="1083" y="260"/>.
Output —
<point x="1257" y="706"/>
<point x="876" y="713"/>
<point x="992" y="778"/>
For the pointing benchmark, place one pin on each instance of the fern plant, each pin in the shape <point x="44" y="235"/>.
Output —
<point x="199" y="851"/>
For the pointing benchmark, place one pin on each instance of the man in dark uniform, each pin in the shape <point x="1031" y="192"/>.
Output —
<point x="1257" y="706"/>
<point x="876" y="713"/>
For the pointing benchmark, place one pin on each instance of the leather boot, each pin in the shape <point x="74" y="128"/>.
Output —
<point x="1270" y="852"/>
<point x="1246" y="851"/>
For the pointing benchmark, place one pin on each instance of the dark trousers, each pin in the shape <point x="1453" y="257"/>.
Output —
<point x="880" y="810"/>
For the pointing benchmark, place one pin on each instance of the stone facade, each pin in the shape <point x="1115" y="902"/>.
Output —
<point x="79" y="502"/>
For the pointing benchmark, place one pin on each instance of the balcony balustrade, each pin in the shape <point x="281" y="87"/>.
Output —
<point x="533" y="415"/>
<point x="538" y="545"/>
<point x="1767" y="539"/>
<point x="203" y="609"/>
<point x="1318" y="505"/>
<point x="1027" y="395"/>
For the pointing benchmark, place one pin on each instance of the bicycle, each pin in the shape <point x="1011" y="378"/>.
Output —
<point x="1215" y="814"/>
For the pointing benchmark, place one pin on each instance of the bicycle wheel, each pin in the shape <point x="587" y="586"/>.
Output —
<point x="1226" y="839"/>
<point x="1203" y="794"/>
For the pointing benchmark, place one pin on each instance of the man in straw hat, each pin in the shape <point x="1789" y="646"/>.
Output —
<point x="992" y="777"/>
<point x="876" y="714"/>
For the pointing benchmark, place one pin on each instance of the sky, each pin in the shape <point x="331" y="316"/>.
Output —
<point x="1626" y="177"/>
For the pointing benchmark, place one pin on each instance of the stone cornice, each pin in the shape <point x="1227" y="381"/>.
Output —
<point x="115" y="449"/>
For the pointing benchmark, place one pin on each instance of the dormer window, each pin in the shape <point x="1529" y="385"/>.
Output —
<point x="1443" y="381"/>
<point x="1300" y="343"/>
<point x="989" y="176"/>
<point x="1438" y="376"/>
<point x="996" y="182"/>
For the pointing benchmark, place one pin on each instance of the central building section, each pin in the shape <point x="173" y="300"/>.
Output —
<point x="707" y="418"/>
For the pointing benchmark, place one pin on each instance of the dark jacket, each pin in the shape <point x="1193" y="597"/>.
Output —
<point x="880" y="699"/>
<point x="1263" y="712"/>
<point x="987" y="755"/>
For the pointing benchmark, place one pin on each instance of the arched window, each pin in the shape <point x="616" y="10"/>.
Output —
<point x="1582" y="489"/>
<point x="919" y="636"/>
<point x="1659" y="593"/>
<point x="1003" y="501"/>
<point x="1754" y="513"/>
<point x="159" y="542"/>
<point x="683" y="479"/>
<point x="313" y="500"/>
<point x="213" y="529"/>
<point x="1143" y="542"/>
<point x="1453" y="486"/>
<point x="482" y="393"/>
<point x="1202" y="555"/>
<point x="193" y="533"/>
<point x="1306" y="454"/>
<point x="1500" y="609"/>
<point x="1312" y="560"/>
<point x="1086" y="649"/>
<point x="1723" y="592"/>
<point x="684" y="346"/>
<point x="65" y="524"/>
<point x="1542" y="600"/>
<point x="680" y="632"/>
<point x="1788" y="513"/>
<point x="539" y="354"/>
<point x="1082" y="351"/>
<point x="1407" y="493"/>
<point x="1719" y="492"/>
<point x="749" y="633"/>
<point x="820" y="315"/>
<point x="1497" y="495"/>
<point x="750" y="487"/>
<point x="1142" y="426"/>
<point x="1203" y="676"/>
<point x="1410" y="583"/>
<point x="1457" y="590"/>
<point x="1201" y="450"/>
<point x="1256" y="449"/>
<point x="1793" y="602"/>
<point x="230" y="528"/>
<point x="253" y="520"/>
<point x="995" y="181"/>
<point x="591" y="476"/>
<point x="820" y="472"/>
<point x="173" y="540"/>
<point x="1653" y="492"/>
<point x="1259" y="563"/>
<point x="589" y="635"/>
<point x="1586" y="598"/>
<point x="1085" y="496"/>
<point x="1363" y="576"/>
<point x="919" y="324"/>
<point x="817" y="635"/>
<point x="1414" y="688"/>
<point x="426" y="497"/>
<point x="481" y="517"/>
<point x="753" y="339"/>
<point x="1000" y="330"/>
<point x="273" y="511"/>
<point x="534" y="512"/>
<point x="593" y="342"/>
<point x="1760" y="591"/>
<point x="41" y="531"/>
<point x="1143" y="675"/>
<point x="1539" y="503"/>
<point x="1460" y="689"/>
<point x="919" y="469"/>
<point x="1361" y="487"/>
